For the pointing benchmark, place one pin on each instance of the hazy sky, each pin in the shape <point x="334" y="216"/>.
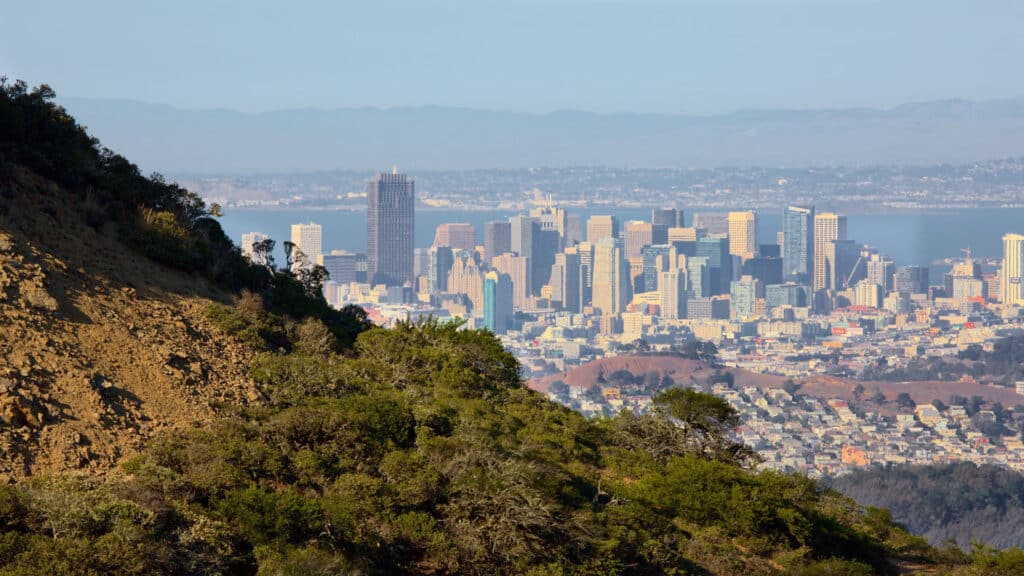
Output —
<point x="692" y="57"/>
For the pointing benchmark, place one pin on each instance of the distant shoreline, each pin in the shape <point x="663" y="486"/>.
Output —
<point x="570" y="207"/>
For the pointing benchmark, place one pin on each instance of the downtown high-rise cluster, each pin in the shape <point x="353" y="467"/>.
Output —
<point x="623" y="277"/>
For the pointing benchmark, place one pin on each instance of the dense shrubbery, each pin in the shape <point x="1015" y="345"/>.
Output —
<point x="961" y="502"/>
<point x="419" y="451"/>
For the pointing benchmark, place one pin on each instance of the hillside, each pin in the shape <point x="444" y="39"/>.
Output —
<point x="960" y="502"/>
<point x="100" y="348"/>
<point x="132" y="327"/>
<point x="821" y="386"/>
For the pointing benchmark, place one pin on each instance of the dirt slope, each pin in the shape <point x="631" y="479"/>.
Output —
<point x="99" y="347"/>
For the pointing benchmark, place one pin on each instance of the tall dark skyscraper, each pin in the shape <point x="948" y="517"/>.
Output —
<point x="661" y="220"/>
<point x="798" y="243"/>
<point x="390" y="208"/>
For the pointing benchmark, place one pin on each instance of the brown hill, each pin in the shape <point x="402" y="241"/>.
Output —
<point x="682" y="370"/>
<point x="99" y="347"/>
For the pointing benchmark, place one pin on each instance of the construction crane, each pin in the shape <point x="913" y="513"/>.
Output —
<point x="846" y="279"/>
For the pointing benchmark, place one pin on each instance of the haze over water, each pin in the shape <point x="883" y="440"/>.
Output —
<point x="908" y="238"/>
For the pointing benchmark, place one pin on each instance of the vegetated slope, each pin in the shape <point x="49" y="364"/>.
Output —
<point x="419" y="451"/>
<point x="961" y="502"/>
<point x="100" y="347"/>
<point x="410" y="450"/>
<point x="104" y="277"/>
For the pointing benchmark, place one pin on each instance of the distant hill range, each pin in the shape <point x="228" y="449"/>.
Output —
<point x="225" y="141"/>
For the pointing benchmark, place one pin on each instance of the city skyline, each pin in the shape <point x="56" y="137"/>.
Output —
<point x="535" y="287"/>
<point x="542" y="263"/>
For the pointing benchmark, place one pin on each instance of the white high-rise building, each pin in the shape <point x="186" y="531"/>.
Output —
<point x="672" y="288"/>
<point x="1011" y="278"/>
<point x="611" y="291"/>
<point x="249" y="240"/>
<point x="307" y="238"/>
<point x="867" y="293"/>
<point x="828" y="227"/>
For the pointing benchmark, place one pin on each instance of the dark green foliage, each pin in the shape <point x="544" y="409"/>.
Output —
<point x="960" y="502"/>
<point x="684" y="421"/>
<point x="836" y="567"/>
<point x="1003" y="365"/>
<point x="421" y="452"/>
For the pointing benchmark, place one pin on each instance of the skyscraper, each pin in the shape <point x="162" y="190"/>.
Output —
<point x="340" y="266"/>
<point x="1011" y="283"/>
<point x="880" y="270"/>
<point x="798" y="242"/>
<point x="841" y="264"/>
<point x="690" y="234"/>
<point x="661" y="220"/>
<point x="439" y="265"/>
<point x="565" y="279"/>
<point x="611" y="290"/>
<point x="523" y="229"/>
<point x="586" y="254"/>
<point x="712" y="222"/>
<point x="743" y="296"/>
<point x="552" y="218"/>
<point x="518" y="269"/>
<point x="716" y="250"/>
<point x="698" y="276"/>
<point x="911" y="280"/>
<point x="767" y="269"/>
<point x="638" y="235"/>
<point x="497" y="239"/>
<point x="249" y="240"/>
<point x="466" y="277"/>
<point x="307" y="238"/>
<point x="456" y="235"/>
<point x="573" y="230"/>
<point x="867" y="293"/>
<point x="828" y="227"/>
<point x="497" y="302"/>
<point x="599" y="227"/>
<point x="743" y="234"/>
<point x="390" y="213"/>
<point x="672" y="288"/>
<point x="789" y="294"/>
<point x="667" y="217"/>
<point x="656" y="259"/>
<point x="545" y="247"/>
